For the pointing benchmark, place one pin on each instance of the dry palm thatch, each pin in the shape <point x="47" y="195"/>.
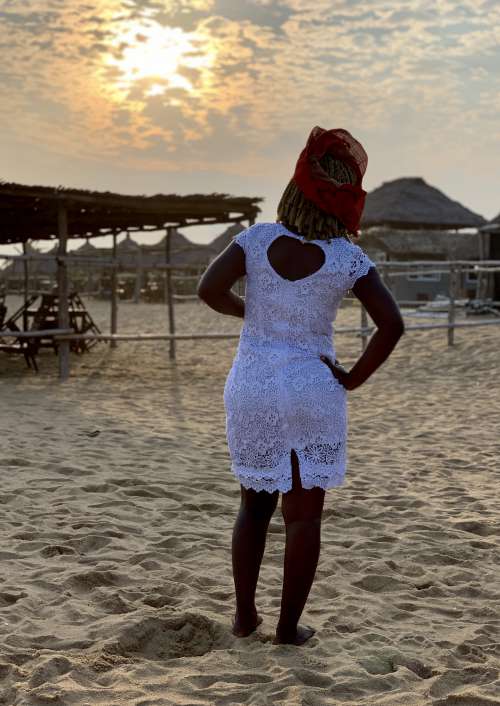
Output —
<point x="396" y="244"/>
<point x="30" y="212"/>
<point x="410" y="202"/>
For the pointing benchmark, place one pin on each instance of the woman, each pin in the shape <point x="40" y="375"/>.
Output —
<point x="285" y="395"/>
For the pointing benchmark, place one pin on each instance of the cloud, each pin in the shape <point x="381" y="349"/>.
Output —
<point x="244" y="74"/>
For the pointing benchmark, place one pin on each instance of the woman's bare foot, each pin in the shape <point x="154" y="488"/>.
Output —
<point x="301" y="635"/>
<point x="243" y="629"/>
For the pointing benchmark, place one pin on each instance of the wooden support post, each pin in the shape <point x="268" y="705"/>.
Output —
<point x="26" y="285"/>
<point x="89" y="286"/>
<point x="488" y="279"/>
<point x="114" y="295"/>
<point x="480" y="275"/>
<point x="451" y="306"/>
<point x="387" y="276"/>
<point x="364" y="324"/>
<point x="138" y="276"/>
<point x="381" y="269"/>
<point x="170" y="299"/>
<point x="62" y="289"/>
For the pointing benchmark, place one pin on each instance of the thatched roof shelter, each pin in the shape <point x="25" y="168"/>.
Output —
<point x="397" y="244"/>
<point x="492" y="226"/>
<point x="130" y="253"/>
<point x="411" y="203"/>
<point x="31" y="212"/>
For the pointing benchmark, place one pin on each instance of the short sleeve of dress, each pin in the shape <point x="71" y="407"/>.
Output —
<point x="360" y="263"/>
<point x="240" y="238"/>
<point x="243" y="237"/>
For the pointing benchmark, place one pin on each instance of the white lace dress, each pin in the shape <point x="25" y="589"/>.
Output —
<point x="279" y="395"/>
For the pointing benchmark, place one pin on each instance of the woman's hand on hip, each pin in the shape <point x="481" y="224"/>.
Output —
<point x="342" y="375"/>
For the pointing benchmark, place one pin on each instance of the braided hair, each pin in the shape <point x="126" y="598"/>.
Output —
<point x="302" y="216"/>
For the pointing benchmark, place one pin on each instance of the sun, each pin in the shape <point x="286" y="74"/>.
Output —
<point x="145" y="51"/>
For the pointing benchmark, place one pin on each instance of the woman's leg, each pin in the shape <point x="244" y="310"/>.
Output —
<point x="302" y="510"/>
<point x="248" y="543"/>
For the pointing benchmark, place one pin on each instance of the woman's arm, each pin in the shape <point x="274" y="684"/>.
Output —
<point x="214" y="287"/>
<point x="383" y="309"/>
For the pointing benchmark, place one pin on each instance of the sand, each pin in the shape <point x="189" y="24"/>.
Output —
<point x="117" y="508"/>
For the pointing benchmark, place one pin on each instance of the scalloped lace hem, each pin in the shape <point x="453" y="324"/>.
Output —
<point x="319" y="476"/>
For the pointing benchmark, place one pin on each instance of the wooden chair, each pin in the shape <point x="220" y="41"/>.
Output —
<point x="24" y="346"/>
<point x="43" y="318"/>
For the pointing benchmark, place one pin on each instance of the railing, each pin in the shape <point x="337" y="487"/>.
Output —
<point x="387" y="269"/>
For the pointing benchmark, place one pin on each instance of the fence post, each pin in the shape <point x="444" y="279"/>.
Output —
<point x="26" y="285"/>
<point x="138" y="275"/>
<point x="387" y="277"/>
<point x="451" y="306"/>
<point x="62" y="289"/>
<point x="170" y="299"/>
<point x="364" y="324"/>
<point x="114" y="295"/>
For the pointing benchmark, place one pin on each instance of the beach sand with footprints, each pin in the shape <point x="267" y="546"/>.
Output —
<point x="117" y="507"/>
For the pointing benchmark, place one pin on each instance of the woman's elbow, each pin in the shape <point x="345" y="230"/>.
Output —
<point x="396" y="327"/>
<point x="393" y="327"/>
<point x="203" y="291"/>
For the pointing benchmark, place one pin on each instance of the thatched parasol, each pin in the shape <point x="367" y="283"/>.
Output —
<point x="492" y="226"/>
<point x="411" y="203"/>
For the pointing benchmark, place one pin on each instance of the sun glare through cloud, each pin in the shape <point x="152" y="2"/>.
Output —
<point x="159" y="57"/>
<point x="230" y="89"/>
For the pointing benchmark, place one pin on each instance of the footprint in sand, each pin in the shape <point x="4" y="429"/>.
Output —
<point x="56" y="550"/>
<point x="88" y="580"/>
<point x="183" y="635"/>
<point x="8" y="598"/>
<point x="49" y="670"/>
<point x="483" y="529"/>
<point x="380" y="584"/>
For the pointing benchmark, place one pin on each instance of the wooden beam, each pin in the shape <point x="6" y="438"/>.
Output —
<point x="138" y="276"/>
<point x="26" y="284"/>
<point x="201" y="336"/>
<point x="114" y="296"/>
<point x="364" y="326"/>
<point x="170" y="299"/>
<point x="62" y="290"/>
<point x="451" y="305"/>
<point x="96" y="224"/>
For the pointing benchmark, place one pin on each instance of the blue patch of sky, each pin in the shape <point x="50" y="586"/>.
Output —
<point x="273" y="15"/>
<point x="32" y="21"/>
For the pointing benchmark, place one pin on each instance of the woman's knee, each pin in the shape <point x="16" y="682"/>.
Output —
<point x="300" y="504"/>
<point x="307" y="508"/>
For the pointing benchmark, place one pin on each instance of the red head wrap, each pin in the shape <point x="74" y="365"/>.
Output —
<point x="344" y="201"/>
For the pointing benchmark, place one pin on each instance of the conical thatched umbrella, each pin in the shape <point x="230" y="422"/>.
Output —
<point x="86" y="249"/>
<point x="37" y="267"/>
<point x="183" y="251"/>
<point x="218" y="244"/>
<point x="411" y="203"/>
<point x="492" y="226"/>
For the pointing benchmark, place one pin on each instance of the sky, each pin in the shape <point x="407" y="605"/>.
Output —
<point x="201" y="96"/>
